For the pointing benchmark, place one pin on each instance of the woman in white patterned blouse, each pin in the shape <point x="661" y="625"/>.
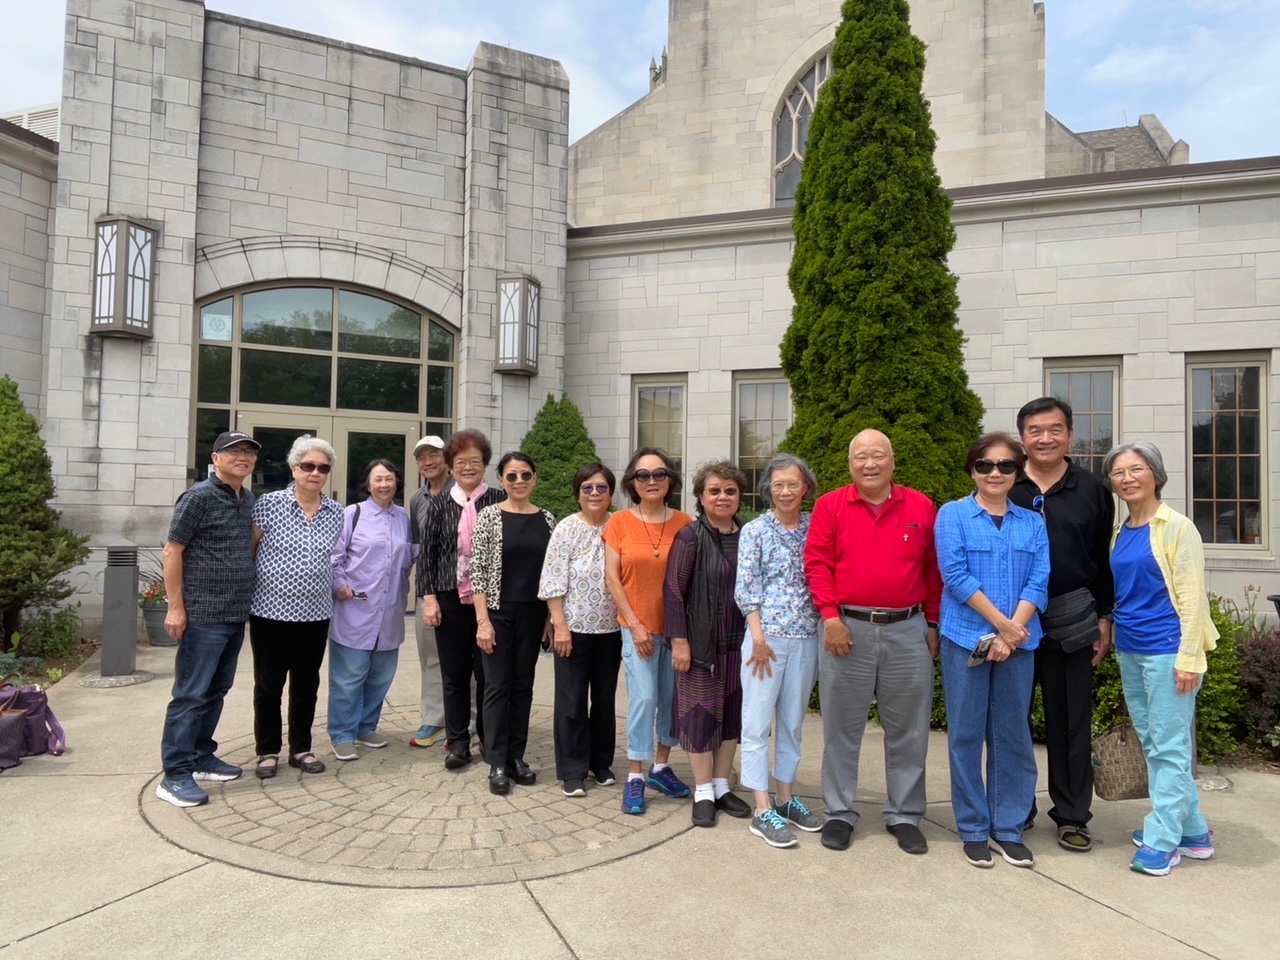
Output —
<point x="587" y="641"/>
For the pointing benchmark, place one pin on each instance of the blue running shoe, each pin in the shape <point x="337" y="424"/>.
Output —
<point x="181" y="792"/>
<point x="1195" y="848"/>
<point x="666" y="781"/>
<point x="633" y="796"/>
<point x="1158" y="863"/>
<point x="215" y="768"/>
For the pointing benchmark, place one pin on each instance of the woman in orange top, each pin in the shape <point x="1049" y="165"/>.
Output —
<point x="636" y="545"/>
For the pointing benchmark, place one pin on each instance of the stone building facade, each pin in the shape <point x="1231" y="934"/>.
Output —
<point x="339" y="229"/>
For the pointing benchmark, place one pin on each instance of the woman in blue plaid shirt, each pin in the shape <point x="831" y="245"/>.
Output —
<point x="994" y="560"/>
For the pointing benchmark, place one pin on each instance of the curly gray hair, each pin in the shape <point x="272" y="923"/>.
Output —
<point x="307" y="443"/>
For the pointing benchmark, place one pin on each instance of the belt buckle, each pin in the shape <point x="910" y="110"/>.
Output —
<point x="876" y="614"/>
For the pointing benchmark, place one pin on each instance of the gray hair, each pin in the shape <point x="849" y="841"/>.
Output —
<point x="1145" y="449"/>
<point x="781" y="462"/>
<point x="304" y="445"/>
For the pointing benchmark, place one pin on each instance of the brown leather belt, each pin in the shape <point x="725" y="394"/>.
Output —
<point x="878" y="615"/>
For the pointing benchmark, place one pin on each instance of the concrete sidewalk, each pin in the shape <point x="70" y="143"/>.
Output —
<point x="390" y="855"/>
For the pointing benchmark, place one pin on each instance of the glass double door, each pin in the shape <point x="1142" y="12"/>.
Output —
<point x="356" y="441"/>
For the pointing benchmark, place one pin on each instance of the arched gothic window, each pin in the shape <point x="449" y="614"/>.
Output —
<point x="791" y="129"/>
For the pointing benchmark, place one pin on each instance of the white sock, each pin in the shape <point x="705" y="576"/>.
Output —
<point x="635" y="776"/>
<point x="720" y="785"/>
<point x="660" y="766"/>
<point x="703" y="791"/>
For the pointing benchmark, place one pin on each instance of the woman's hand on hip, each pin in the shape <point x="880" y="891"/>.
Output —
<point x="760" y="660"/>
<point x="1187" y="682"/>
<point x="681" y="655"/>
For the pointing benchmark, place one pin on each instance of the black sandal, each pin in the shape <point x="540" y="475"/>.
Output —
<point x="265" y="770"/>
<point x="1074" y="838"/>
<point x="307" y="763"/>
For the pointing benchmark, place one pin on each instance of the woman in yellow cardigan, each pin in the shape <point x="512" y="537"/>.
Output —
<point x="1162" y="631"/>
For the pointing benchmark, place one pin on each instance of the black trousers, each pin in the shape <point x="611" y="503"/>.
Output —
<point x="285" y="649"/>
<point x="508" y="678"/>
<point x="1066" y="688"/>
<point x="459" y="662"/>
<point x="585" y="724"/>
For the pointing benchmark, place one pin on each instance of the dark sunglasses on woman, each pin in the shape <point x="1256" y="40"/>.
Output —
<point x="306" y="466"/>
<point x="657" y="476"/>
<point x="525" y="475"/>
<point x="1006" y="467"/>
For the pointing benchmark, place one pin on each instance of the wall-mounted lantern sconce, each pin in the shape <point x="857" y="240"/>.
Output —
<point x="518" y="304"/>
<point x="124" y="272"/>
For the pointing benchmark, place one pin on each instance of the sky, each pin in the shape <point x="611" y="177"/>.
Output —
<point x="1210" y="69"/>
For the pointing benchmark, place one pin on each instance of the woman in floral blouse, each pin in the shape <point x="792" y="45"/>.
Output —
<point x="780" y="651"/>
<point x="587" y="640"/>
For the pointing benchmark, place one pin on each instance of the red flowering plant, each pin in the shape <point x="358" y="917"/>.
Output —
<point x="152" y="589"/>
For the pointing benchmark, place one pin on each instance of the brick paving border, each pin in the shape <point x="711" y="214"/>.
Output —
<point x="397" y="818"/>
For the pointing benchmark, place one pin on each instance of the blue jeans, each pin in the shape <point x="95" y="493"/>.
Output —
<point x="785" y="694"/>
<point x="1163" y="718"/>
<point x="651" y="686"/>
<point x="203" y="670"/>
<point x="988" y="704"/>
<point x="358" y="683"/>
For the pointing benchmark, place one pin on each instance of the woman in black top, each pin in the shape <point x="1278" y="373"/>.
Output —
<point x="449" y="604"/>
<point x="511" y="622"/>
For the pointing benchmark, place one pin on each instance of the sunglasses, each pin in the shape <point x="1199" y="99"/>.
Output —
<point x="525" y="475"/>
<point x="306" y="466"/>
<point x="656" y="476"/>
<point x="589" y="488"/>
<point x="1037" y="503"/>
<point x="1007" y="467"/>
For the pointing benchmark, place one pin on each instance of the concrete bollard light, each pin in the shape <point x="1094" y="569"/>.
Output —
<point x="120" y="610"/>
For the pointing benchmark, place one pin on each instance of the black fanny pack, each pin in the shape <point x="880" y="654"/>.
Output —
<point x="1071" y="621"/>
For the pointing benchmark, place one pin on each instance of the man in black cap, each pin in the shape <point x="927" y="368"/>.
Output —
<point x="209" y="578"/>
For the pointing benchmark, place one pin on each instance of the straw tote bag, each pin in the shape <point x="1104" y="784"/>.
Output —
<point x="1119" y="766"/>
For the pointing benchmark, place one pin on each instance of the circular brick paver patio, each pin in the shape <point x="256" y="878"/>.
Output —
<point x="397" y="818"/>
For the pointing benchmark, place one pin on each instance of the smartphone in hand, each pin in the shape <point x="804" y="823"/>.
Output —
<point x="979" y="655"/>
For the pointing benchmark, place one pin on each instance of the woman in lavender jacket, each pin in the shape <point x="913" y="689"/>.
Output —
<point x="371" y="563"/>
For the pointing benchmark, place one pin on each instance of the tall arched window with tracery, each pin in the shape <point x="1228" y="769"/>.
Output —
<point x="791" y="129"/>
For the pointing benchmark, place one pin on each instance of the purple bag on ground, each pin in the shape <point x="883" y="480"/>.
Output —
<point x="43" y="733"/>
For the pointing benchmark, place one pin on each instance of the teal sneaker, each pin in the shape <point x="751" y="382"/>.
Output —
<point x="1158" y="863"/>
<point x="666" y="781"/>
<point x="633" y="796"/>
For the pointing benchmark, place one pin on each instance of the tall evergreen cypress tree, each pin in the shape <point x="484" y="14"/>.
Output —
<point x="34" y="546"/>
<point x="874" y="340"/>
<point x="559" y="442"/>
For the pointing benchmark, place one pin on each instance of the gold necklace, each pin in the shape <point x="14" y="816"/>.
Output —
<point x="657" y="547"/>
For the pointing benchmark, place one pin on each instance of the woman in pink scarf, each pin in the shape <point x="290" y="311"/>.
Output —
<point x="449" y="604"/>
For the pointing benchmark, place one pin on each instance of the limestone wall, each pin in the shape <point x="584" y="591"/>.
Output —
<point x="702" y="141"/>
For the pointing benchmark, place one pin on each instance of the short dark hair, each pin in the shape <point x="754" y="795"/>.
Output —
<point x="373" y="465"/>
<point x="588" y="471"/>
<point x="467" y="438"/>
<point x="516" y="455"/>
<point x="629" y="475"/>
<point x="1044" y="405"/>
<point x="989" y="440"/>
<point x="725" y="470"/>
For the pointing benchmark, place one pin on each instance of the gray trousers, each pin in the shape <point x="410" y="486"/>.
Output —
<point x="429" y="663"/>
<point x="892" y="663"/>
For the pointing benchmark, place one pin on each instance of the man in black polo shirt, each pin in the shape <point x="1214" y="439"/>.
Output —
<point x="209" y="578"/>
<point x="1078" y="512"/>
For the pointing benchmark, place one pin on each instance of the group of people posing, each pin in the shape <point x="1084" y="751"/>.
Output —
<point x="720" y="628"/>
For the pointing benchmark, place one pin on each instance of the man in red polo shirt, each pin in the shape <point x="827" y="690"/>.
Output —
<point x="873" y="573"/>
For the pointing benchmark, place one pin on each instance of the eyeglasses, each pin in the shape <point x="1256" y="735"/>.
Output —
<point x="525" y="475"/>
<point x="1136" y="473"/>
<point x="247" y="452"/>
<point x="1006" y="467"/>
<point x="876" y="456"/>
<point x="590" y="488"/>
<point x="463" y="464"/>
<point x="722" y="491"/>
<point x="306" y="466"/>
<point x="786" y="486"/>
<point x="1037" y="503"/>
<point x="655" y="476"/>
